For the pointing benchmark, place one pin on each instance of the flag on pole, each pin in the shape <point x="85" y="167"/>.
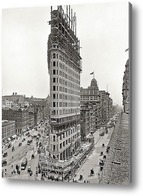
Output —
<point x="92" y="73"/>
<point x="126" y="49"/>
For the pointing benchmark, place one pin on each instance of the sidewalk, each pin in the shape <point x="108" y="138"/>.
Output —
<point x="116" y="170"/>
<point x="93" y="159"/>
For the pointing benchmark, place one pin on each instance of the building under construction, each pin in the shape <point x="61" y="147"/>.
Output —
<point x="64" y="65"/>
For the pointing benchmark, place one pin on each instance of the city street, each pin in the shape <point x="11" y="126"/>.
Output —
<point x="92" y="162"/>
<point x="23" y="150"/>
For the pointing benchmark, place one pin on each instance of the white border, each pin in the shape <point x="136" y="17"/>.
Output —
<point x="23" y="188"/>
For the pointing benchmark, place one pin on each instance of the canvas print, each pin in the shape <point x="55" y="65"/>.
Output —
<point x="66" y="93"/>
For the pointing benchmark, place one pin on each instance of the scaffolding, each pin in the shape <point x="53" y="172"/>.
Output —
<point x="63" y="34"/>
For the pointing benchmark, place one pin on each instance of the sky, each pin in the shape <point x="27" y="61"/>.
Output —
<point x="102" y="29"/>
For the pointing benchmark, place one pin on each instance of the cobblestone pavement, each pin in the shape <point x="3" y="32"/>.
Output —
<point x="117" y="165"/>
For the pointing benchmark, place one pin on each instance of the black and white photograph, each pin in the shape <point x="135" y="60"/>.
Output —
<point x="66" y="93"/>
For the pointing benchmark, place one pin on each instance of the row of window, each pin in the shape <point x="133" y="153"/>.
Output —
<point x="69" y="97"/>
<point x="66" y="104"/>
<point x="64" y="59"/>
<point x="66" y="83"/>
<point x="67" y="62"/>
<point x="8" y="132"/>
<point x="89" y="92"/>
<point x="69" y="84"/>
<point x="65" y="134"/>
<point x="65" y="111"/>
<point x="66" y="142"/>
<point x="70" y="71"/>
<point x="88" y="98"/>
<point x="69" y="77"/>
<point x="67" y="118"/>
<point x="69" y="91"/>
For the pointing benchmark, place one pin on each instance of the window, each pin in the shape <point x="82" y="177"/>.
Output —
<point x="54" y="88"/>
<point x="60" y="145"/>
<point x="54" y="96"/>
<point x="54" y="55"/>
<point x="54" y="63"/>
<point x="54" y="104"/>
<point x="54" y="79"/>
<point x="54" y="71"/>
<point x="54" y="147"/>
<point x="54" y="138"/>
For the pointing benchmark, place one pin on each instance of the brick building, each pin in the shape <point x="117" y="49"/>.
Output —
<point x="8" y="129"/>
<point x="20" y="116"/>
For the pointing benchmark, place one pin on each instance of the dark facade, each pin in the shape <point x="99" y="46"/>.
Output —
<point x="20" y="117"/>
<point x="40" y="107"/>
<point x="106" y="105"/>
<point x="31" y="119"/>
<point x="89" y="120"/>
<point x="125" y="88"/>
<point x="8" y="129"/>
<point x="84" y="121"/>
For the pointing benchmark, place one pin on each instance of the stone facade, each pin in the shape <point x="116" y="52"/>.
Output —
<point x="64" y="65"/>
<point x="96" y="104"/>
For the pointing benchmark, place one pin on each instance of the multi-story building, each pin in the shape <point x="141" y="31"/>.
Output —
<point x="15" y="98"/>
<point x="20" y="116"/>
<point x="110" y="108"/>
<point x="91" y="97"/>
<point x="90" y="94"/>
<point x="97" y="109"/>
<point x="125" y="88"/>
<point x="7" y="103"/>
<point x="104" y="100"/>
<point x="87" y="120"/>
<point x="8" y="129"/>
<point x="40" y="106"/>
<point x="31" y="120"/>
<point x="64" y="65"/>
